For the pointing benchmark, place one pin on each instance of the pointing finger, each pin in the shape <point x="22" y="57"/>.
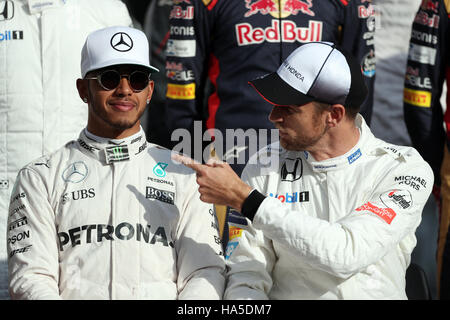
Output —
<point x="214" y="162"/>
<point x="187" y="161"/>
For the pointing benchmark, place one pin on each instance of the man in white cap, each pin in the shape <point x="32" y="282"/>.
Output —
<point x="335" y="217"/>
<point x="109" y="216"/>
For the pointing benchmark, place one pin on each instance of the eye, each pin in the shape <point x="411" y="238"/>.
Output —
<point x="292" y="109"/>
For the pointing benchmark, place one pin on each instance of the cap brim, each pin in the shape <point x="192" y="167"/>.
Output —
<point x="116" y="62"/>
<point x="277" y="92"/>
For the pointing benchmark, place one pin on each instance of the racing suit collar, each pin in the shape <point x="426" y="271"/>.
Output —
<point x="112" y="150"/>
<point x="355" y="154"/>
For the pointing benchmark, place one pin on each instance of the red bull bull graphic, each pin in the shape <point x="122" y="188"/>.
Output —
<point x="296" y="6"/>
<point x="430" y="5"/>
<point x="260" y="6"/>
<point x="273" y="7"/>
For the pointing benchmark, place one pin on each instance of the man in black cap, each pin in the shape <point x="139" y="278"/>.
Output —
<point x="334" y="212"/>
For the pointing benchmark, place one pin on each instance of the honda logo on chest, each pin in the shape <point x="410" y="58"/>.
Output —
<point x="292" y="169"/>
<point x="6" y="10"/>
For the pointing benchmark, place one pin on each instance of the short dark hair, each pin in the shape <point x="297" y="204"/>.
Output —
<point x="358" y="88"/>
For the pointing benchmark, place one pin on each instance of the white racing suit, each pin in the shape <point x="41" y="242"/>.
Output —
<point x="117" y="219"/>
<point x="342" y="228"/>
<point x="40" y="108"/>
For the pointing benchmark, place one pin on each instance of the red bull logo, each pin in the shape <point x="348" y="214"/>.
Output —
<point x="278" y="9"/>
<point x="288" y="32"/>
<point x="296" y="6"/>
<point x="260" y="6"/>
<point x="430" y="5"/>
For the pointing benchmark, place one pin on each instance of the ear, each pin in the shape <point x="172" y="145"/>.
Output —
<point x="336" y="115"/>
<point x="151" y="87"/>
<point x="83" y="92"/>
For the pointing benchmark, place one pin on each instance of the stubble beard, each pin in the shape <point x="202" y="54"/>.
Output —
<point x="116" y="124"/>
<point x="303" y="142"/>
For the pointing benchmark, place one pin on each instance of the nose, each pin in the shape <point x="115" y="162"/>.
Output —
<point x="124" y="88"/>
<point x="276" y="114"/>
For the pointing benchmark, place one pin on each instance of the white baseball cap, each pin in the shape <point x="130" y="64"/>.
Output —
<point x="115" y="46"/>
<point x="316" y="71"/>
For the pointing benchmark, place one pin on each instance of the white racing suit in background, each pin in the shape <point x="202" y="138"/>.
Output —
<point x="40" y="109"/>
<point x="342" y="228"/>
<point x="112" y="220"/>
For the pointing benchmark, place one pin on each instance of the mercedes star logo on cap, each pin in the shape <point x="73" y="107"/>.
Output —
<point x="121" y="42"/>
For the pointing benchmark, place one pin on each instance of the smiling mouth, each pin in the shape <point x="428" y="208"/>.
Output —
<point x="122" y="106"/>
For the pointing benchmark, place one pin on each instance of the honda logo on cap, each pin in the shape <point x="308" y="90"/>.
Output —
<point x="6" y="10"/>
<point x="292" y="170"/>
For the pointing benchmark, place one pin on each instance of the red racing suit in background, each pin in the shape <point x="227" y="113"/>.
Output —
<point x="231" y="42"/>
<point x="428" y="125"/>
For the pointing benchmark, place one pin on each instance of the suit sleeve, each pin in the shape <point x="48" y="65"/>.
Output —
<point x="187" y="57"/>
<point x="357" y="37"/>
<point x="363" y="236"/>
<point x="424" y="77"/>
<point x="200" y="261"/>
<point x="250" y="257"/>
<point x="33" y="266"/>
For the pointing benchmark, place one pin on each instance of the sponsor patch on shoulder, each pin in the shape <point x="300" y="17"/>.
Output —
<point x="394" y="152"/>
<point x="401" y="199"/>
<point x="387" y="214"/>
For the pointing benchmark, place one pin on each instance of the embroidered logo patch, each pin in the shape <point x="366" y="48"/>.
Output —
<point x="387" y="214"/>
<point x="397" y="198"/>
